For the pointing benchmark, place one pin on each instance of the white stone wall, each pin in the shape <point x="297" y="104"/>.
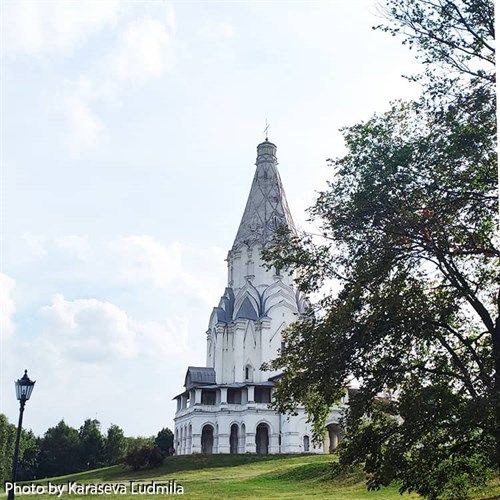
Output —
<point x="293" y="429"/>
<point x="234" y="346"/>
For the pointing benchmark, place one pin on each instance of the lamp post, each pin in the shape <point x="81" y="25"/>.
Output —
<point x="24" y="388"/>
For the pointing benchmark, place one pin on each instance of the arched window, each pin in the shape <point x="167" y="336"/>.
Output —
<point x="248" y="373"/>
<point x="233" y="439"/>
<point x="207" y="439"/>
<point x="306" y="443"/>
<point x="262" y="439"/>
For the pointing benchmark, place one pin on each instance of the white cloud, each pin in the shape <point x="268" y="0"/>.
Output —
<point x="7" y="306"/>
<point x="88" y="330"/>
<point x="144" y="51"/>
<point x="74" y="244"/>
<point x="214" y="30"/>
<point x="142" y="259"/>
<point x="122" y="319"/>
<point x="92" y="359"/>
<point x="134" y="261"/>
<point x="85" y="128"/>
<point x="35" y="28"/>
<point x="35" y="245"/>
<point x="98" y="332"/>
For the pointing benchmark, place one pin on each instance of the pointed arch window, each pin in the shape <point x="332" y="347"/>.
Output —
<point x="248" y="373"/>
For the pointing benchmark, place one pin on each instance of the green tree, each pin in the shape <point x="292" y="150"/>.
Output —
<point x="137" y="442"/>
<point x="408" y="233"/>
<point x="29" y="456"/>
<point x="59" y="451"/>
<point x="91" y="444"/>
<point x="7" y="440"/>
<point x="165" y="440"/>
<point x="28" y="452"/>
<point x="144" y="455"/>
<point x="115" y="445"/>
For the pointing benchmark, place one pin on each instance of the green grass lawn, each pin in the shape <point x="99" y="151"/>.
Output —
<point x="244" y="476"/>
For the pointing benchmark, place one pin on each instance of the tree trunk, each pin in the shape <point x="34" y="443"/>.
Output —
<point x="496" y="390"/>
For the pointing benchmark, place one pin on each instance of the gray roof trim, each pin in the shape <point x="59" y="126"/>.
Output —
<point x="199" y="375"/>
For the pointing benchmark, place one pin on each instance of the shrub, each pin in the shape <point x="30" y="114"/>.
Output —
<point x="144" y="456"/>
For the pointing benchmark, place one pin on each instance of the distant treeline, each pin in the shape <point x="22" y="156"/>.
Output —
<point x="64" y="450"/>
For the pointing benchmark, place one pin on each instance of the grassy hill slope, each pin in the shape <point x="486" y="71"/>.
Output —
<point x="244" y="476"/>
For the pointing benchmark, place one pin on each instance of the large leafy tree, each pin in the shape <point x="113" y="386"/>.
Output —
<point x="407" y="233"/>
<point x="7" y="439"/>
<point x="115" y="447"/>
<point x="28" y="452"/>
<point x="59" y="451"/>
<point x="165" y="440"/>
<point x="92" y="452"/>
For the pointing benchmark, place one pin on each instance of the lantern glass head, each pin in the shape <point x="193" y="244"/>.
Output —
<point x="24" y="387"/>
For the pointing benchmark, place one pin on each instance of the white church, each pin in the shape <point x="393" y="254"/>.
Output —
<point x="224" y="407"/>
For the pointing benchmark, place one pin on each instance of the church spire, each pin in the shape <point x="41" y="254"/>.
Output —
<point x="266" y="208"/>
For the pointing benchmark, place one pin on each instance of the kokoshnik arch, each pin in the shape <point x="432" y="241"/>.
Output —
<point x="224" y="407"/>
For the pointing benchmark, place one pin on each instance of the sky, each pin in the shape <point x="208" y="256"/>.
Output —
<point x="128" y="145"/>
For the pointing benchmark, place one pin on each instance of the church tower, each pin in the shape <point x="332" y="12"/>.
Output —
<point x="225" y="405"/>
<point x="245" y="329"/>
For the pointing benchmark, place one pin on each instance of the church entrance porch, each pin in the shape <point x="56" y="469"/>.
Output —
<point x="207" y="439"/>
<point x="262" y="439"/>
<point x="333" y="437"/>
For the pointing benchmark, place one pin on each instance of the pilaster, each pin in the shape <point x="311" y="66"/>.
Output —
<point x="251" y="447"/>
<point x="223" y="395"/>
<point x="224" y="443"/>
<point x="250" y="392"/>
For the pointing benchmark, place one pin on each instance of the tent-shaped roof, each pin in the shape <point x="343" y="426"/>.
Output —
<point x="266" y="209"/>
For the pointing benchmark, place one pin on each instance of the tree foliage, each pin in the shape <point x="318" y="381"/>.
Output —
<point x="7" y="439"/>
<point x="59" y="451"/>
<point x="91" y="444"/>
<point x="165" y="440"/>
<point x="64" y="450"/>
<point x="116" y="445"/>
<point x="408" y="233"/>
<point x="144" y="456"/>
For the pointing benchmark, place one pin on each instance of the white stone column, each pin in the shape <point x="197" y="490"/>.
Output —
<point x="219" y="353"/>
<point x="209" y="343"/>
<point x="223" y="395"/>
<point x="223" y="443"/>
<point x="190" y="440"/>
<point x="196" y="443"/>
<point x="290" y="442"/>
<point x="242" y="441"/>
<point x="274" y="444"/>
<point x="239" y="327"/>
<point x="197" y="396"/>
<point x="251" y="447"/>
<point x="263" y="331"/>
<point x="238" y="269"/>
<point x="250" y="392"/>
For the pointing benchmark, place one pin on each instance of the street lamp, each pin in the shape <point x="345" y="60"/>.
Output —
<point x="24" y="388"/>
